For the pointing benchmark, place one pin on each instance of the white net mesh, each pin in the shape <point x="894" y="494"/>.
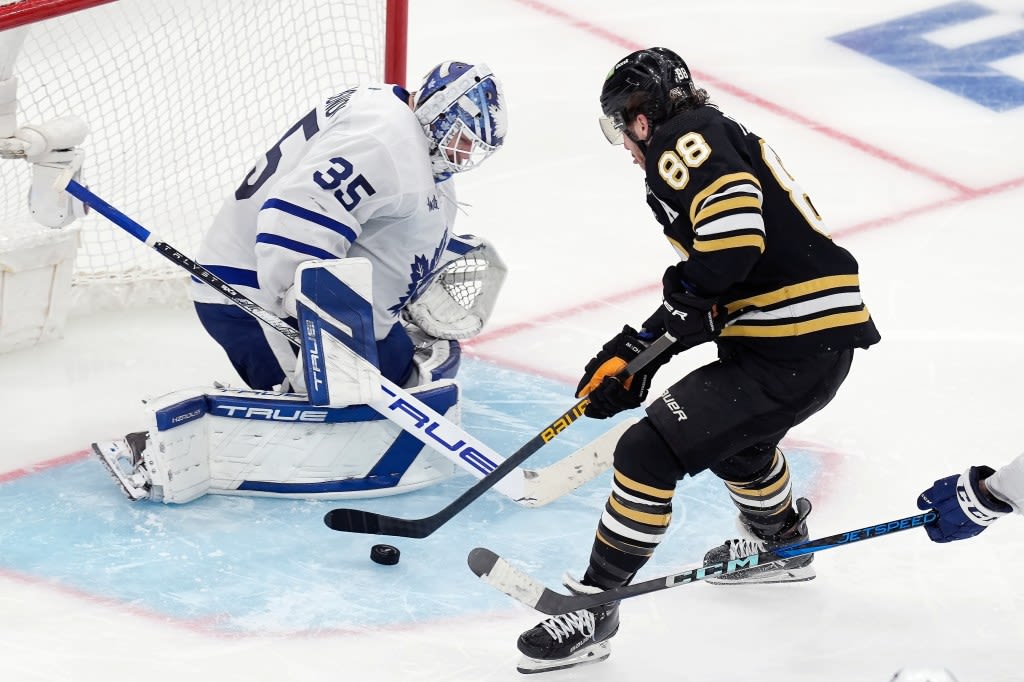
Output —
<point x="181" y="98"/>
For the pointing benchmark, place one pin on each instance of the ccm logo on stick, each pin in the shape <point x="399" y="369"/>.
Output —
<point x="721" y="568"/>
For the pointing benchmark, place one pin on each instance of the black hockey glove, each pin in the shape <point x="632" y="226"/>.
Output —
<point x="691" y="319"/>
<point x="609" y="396"/>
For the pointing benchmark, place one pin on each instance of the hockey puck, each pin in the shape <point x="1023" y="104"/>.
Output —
<point x="385" y="554"/>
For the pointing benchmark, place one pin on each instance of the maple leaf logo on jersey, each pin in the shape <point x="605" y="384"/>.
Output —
<point x="419" y="275"/>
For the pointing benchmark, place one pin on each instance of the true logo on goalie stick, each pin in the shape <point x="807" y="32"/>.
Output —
<point x="560" y="424"/>
<point x="430" y="427"/>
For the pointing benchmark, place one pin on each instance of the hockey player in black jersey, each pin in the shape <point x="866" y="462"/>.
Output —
<point x="758" y="275"/>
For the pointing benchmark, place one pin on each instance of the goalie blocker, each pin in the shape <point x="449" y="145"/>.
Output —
<point x="328" y="444"/>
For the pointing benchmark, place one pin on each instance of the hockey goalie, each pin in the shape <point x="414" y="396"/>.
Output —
<point x="343" y="230"/>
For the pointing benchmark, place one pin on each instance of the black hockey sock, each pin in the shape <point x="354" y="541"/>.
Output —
<point x="635" y="519"/>
<point x="766" y="501"/>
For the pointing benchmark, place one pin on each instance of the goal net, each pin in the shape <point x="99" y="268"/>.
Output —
<point x="181" y="98"/>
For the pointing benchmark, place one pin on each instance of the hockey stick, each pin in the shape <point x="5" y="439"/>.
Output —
<point x="502" y="575"/>
<point x="360" y="521"/>
<point x="398" y="406"/>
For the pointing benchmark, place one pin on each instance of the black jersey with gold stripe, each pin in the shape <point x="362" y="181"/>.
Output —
<point x="748" y="235"/>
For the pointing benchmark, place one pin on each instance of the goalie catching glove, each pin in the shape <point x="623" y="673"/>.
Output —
<point x="608" y="395"/>
<point x="460" y="298"/>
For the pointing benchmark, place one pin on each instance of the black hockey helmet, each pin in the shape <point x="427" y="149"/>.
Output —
<point x="654" y="82"/>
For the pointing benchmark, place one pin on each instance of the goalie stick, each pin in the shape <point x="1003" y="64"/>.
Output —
<point x="360" y="521"/>
<point x="502" y="575"/>
<point x="529" y="489"/>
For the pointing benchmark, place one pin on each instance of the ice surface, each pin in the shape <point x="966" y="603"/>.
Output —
<point x="924" y="186"/>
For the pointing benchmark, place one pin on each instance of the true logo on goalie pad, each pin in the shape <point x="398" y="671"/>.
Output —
<point x="314" y="360"/>
<point x="273" y="414"/>
<point x="237" y="441"/>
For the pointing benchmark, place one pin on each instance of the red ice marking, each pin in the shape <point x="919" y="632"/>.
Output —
<point x="963" y="193"/>
<point x="833" y="462"/>
<point x="213" y="624"/>
<point x="559" y="315"/>
<point x="965" y="196"/>
<point x="48" y="464"/>
<point x="768" y="105"/>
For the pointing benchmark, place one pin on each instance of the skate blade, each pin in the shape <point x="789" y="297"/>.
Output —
<point x="131" y="492"/>
<point x="595" y="653"/>
<point x="791" y="575"/>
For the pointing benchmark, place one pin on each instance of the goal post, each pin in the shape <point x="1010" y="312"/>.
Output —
<point x="180" y="98"/>
<point x="15" y="13"/>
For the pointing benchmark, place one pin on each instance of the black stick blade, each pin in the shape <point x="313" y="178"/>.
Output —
<point x="353" y="521"/>
<point x="369" y="523"/>
<point x="481" y="560"/>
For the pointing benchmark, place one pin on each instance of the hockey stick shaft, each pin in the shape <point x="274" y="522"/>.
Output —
<point x="181" y="260"/>
<point x="397" y="405"/>
<point x="519" y="585"/>
<point x="360" y="521"/>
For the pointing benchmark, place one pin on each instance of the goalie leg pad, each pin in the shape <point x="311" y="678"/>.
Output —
<point x="242" y="442"/>
<point x="339" y="349"/>
<point x="168" y="463"/>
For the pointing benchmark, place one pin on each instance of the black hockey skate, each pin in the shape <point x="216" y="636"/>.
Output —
<point x="570" y="639"/>
<point x="797" y="569"/>
<point x="123" y="460"/>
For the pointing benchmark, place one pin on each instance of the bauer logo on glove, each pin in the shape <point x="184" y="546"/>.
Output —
<point x="608" y="393"/>
<point x="690" y="318"/>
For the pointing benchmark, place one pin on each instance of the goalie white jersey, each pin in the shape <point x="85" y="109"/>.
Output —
<point x="351" y="178"/>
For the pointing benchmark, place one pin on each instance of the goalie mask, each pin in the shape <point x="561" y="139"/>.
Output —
<point x="654" y="82"/>
<point x="462" y="110"/>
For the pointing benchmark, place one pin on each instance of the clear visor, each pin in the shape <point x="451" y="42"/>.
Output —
<point x="612" y="128"/>
<point x="462" y="149"/>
